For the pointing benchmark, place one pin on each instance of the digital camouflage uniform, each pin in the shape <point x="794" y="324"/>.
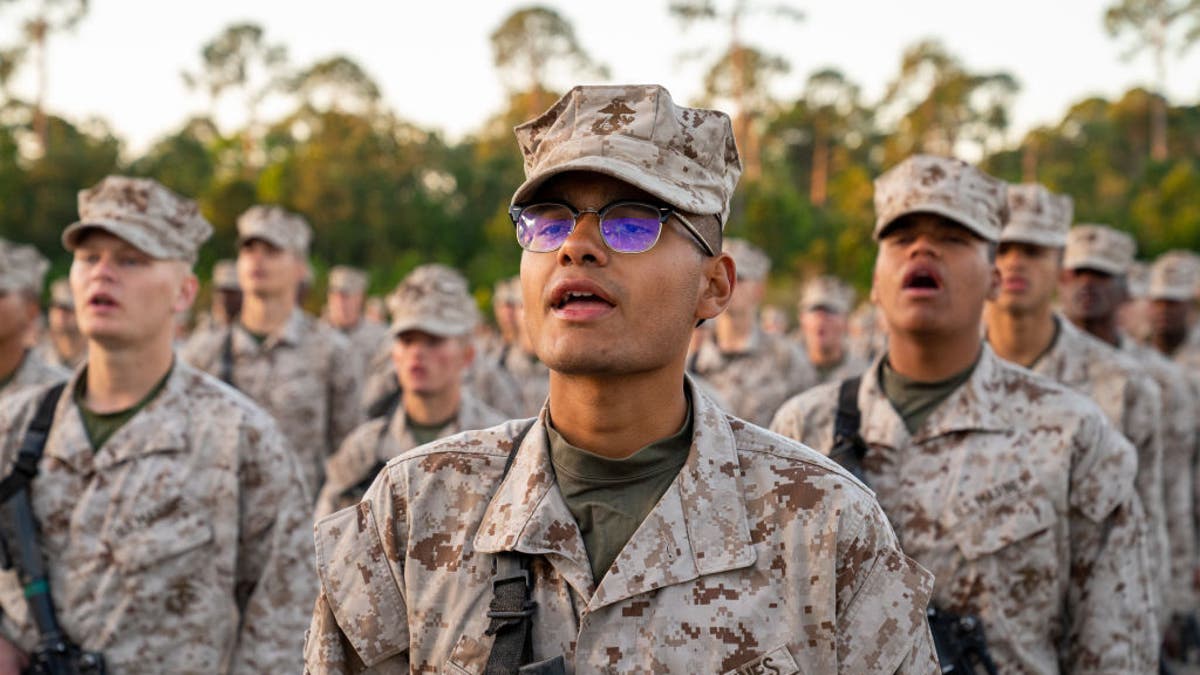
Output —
<point x="759" y="548"/>
<point x="306" y="376"/>
<point x="756" y="381"/>
<point x="830" y="294"/>
<point x="368" y="339"/>
<point x="531" y="376"/>
<point x="178" y="546"/>
<point x="379" y="440"/>
<point x="33" y="371"/>
<point x="759" y="555"/>
<point x="1019" y="496"/>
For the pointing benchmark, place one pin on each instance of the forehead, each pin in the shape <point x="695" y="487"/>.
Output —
<point x="589" y="190"/>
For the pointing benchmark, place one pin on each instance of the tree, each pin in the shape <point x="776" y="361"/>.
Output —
<point x="44" y="18"/>
<point x="835" y="111"/>
<point x="535" y="50"/>
<point x="938" y="104"/>
<point x="336" y="83"/>
<point x="239" y="58"/>
<point x="741" y="74"/>
<point x="1153" y="24"/>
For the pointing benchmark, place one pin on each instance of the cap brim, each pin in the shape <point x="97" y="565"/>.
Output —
<point x="128" y="233"/>
<point x="1175" y="294"/>
<point x="431" y="326"/>
<point x="1020" y="235"/>
<point x="262" y="236"/>
<point x="1092" y="263"/>
<point x="962" y="219"/>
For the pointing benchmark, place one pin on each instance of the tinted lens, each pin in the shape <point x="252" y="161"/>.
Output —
<point x="544" y="227"/>
<point x="630" y="228"/>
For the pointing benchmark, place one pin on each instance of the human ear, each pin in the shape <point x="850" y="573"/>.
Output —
<point x="717" y="281"/>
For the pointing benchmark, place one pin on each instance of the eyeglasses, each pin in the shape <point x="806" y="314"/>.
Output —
<point x="625" y="226"/>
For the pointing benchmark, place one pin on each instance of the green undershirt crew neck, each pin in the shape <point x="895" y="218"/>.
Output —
<point x="914" y="401"/>
<point x="101" y="426"/>
<point x="427" y="433"/>
<point x="824" y="371"/>
<point x="611" y="497"/>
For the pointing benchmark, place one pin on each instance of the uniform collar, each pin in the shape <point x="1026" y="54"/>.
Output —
<point x="699" y="526"/>
<point x="970" y="408"/>
<point x="290" y="334"/>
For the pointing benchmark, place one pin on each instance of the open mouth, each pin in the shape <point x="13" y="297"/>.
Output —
<point x="921" y="278"/>
<point x="101" y="300"/>
<point x="579" y="294"/>
<point x="580" y="299"/>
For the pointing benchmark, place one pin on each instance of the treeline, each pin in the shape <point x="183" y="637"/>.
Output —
<point x="387" y="195"/>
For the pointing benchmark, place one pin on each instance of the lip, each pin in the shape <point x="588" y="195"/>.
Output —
<point x="1014" y="284"/>
<point x="92" y="306"/>
<point x="579" y="311"/>
<point x="921" y="270"/>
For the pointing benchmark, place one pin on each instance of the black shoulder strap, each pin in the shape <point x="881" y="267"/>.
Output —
<point x="512" y="608"/>
<point x="32" y="445"/>
<point x="226" y="373"/>
<point x="849" y="448"/>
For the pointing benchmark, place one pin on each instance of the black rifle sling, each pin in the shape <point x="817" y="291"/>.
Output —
<point x="226" y="372"/>
<point x="849" y="448"/>
<point x="512" y="608"/>
<point x="25" y="467"/>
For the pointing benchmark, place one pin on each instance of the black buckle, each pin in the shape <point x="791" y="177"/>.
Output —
<point x="527" y="606"/>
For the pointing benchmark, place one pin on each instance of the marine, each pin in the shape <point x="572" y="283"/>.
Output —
<point x="658" y="533"/>
<point x="22" y="273"/>
<point x="1015" y="491"/>
<point x="172" y="515"/>
<point x="825" y="304"/>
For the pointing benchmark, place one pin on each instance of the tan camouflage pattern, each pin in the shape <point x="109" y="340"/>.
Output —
<point x="947" y="187"/>
<point x="33" y="371"/>
<point x="851" y="365"/>
<point x="178" y="547"/>
<point x="1174" y="275"/>
<point x="1037" y="216"/>
<point x="635" y="133"/>
<point x="1180" y="438"/>
<point x="307" y="377"/>
<point x="145" y="214"/>
<point x="347" y="279"/>
<point x="1137" y="279"/>
<point x="22" y="268"/>
<point x="372" y="343"/>
<point x="756" y="381"/>
<point x="379" y="440"/>
<point x="532" y="378"/>
<point x="225" y="276"/>
<point x="759" y="547"/>
<point x="499" y="389"/>
<point x="435" y="299"/>
<point x="60" y="294"/>
<point x="1133" y="403"/>
<point x="750" y="261"/>
<point x="278" y="227"/>
<point x="1019" y="496"/>
<point x="828" y="292"/>
<point x="1099" y="247"/>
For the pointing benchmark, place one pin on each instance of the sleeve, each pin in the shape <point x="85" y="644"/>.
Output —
<point x="882" y="599"/>
<point x="347" y="467"/>
<point x="1179" y="446"/>
<point x="345" y="393"/>
<point x="1111" y="604"/>
<point x="200" y="352"/>
<point x="15" y="414"/>
<point x="275" y="578"/>
<point x="789" y="420"/>
<point x="1144" y="428"/>
<point x="360" y="620"/>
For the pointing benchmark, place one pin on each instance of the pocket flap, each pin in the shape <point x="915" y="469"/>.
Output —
<point x="988" y="529"/>
<point x="166" y="539"/>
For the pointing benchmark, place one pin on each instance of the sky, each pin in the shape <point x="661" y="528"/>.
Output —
<point x="433" y="60"/>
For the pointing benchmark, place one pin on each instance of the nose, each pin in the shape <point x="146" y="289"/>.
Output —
<point x="584" y="245"/>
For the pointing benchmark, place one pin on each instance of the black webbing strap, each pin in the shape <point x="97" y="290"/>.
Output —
<point x="849" y="448"/>
<point x="511" y="609"/>
<point x="226" y="371"/>
<point x="32" y="445"/>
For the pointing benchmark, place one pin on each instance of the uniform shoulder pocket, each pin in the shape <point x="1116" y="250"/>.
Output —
<point x="140" y="549"/>
<point x="360" y="584"/>
<point x="985" y="529"/>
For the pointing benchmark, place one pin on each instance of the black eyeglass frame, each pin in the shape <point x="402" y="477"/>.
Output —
<point x="664" y="212"/>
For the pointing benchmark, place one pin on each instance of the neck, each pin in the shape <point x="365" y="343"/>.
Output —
<point x="266" y="314"/>
<point x="733" y="330"/>
<point x="117" y="379"/>
<point x="432" y="408"/>
<point x="1019" y="337"/>
<point x="932" y="358"/>
<point x="12" y="353"/>
<point x="1104" y="328"/>
<point x="608" y="416"/>
<point x="820" y="356"/>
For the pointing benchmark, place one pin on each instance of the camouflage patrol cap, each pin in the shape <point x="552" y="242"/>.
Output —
<point x="1099" y="247"/>
<point x="1173" y="276"/>
<point x="827" y="292"/>
<point x="346" y="279"/>
<point x="1037" y="216"/>
<point x="434" y="299"/>
<point x="145" y="214"/>
<point x="60" y="294"/>
<point x="225" y="275"/>
<point x="943" y="186"/>
<point x="22" y="268"/>
<point x="276" y="226"/>
<point x="508" y="292"/>
<point x="750" y="261"/>
<point x="637" y="134"/>
<point x="1137" y="279"/>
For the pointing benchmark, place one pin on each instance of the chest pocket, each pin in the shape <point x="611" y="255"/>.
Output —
<point x="984" y="530"/>
<point x="165" y="540"/>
